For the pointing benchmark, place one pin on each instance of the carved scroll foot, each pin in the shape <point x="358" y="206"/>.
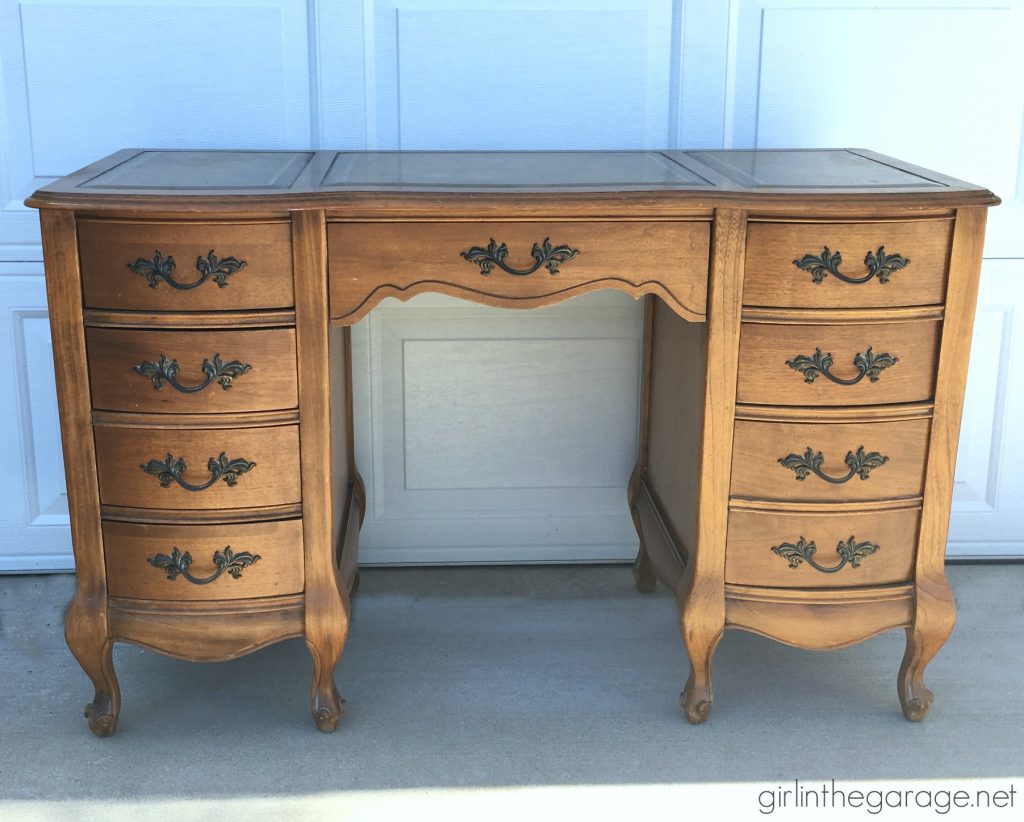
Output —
<point x="700" y="642"/>
<point x="327" y="713"/>
<point x="326" y="704"/>
<point x="915" y="698"/>
<point x="105" y="707"/>
<point x="698" y="693"/>
<point x="643" y="572"/>
<point x="101" y="715"/>
<point x="696" y="698"/>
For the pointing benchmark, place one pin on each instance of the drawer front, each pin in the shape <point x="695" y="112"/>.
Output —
<point x="193" y="469"/>
<point x="842" y="364"/>
<point x="825" y="265"/>
<point x="811" y="550"/>
<point x="832" y="462"/>
<point x="192" y="372"/>
<point x="515" y="260"/>
<point x="203" y="562"/>
<point x="185" y="266"/>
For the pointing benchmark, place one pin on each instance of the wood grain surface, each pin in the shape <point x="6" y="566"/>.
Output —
<point x="401" y="259"/>
<point x="772" y="279"/>
<point x="758" y="447"/>
<point x="765" y="349"/>
<point x="108" y="247"/>
<point x="265" y="373"/>
<point x="273" y="479"/>
<point x="130" y="549"/>
<point x="752" y="535"/>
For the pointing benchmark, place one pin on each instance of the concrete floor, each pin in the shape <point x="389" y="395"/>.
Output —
<point x="480" y="683"/>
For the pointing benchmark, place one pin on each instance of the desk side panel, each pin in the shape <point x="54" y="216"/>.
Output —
<point x="678" y="363"/>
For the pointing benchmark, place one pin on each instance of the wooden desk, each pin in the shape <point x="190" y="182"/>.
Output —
<point x="808" y="321"/>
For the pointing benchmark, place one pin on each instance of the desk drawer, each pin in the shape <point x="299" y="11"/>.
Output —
<point x="774" y="549"/>
<point x="167" y="266"/>
<point x="198" y="469"/>
<point x="203" y="562"/>
<point x="833" y="462"/>
<point x="840" y="364"/>
<point x="803" y="265"/>
<point x="525" y="260"/>
<point x="192" y="372"/>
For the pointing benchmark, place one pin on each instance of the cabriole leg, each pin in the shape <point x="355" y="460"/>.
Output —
<point x="933" y="623"/>
<point x="93" y="648"/>
<point x="326" y="703"/>
<point x="700" y="640"/>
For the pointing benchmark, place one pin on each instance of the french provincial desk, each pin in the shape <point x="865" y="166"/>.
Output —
<point x="808" y="321"/>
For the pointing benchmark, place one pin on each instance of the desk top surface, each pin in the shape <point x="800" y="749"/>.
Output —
<point x="140" y="175"/>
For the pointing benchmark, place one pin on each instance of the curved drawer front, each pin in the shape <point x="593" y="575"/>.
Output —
<point x="193" y="469"/>
<point x="203" y="562"/>
<point x="831" y="265"/>
<point x="841" y="364"/>
<point x="829" y="462"/>
<point x="812" y="550"/>
<point x="528" y="260"/>
<point x="170" y="266"/>
<point x="192" y="372"/>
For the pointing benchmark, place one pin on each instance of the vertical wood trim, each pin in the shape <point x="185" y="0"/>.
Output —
<point x="67" y="331"/>
<point x="643" y="437"/>
<point x="700" y="593"/>
<point x="327" y="603"/>
<point x="934" y="611"/>
<point x="87" y="626"/>
<point x="702" y="589"/>
<point x="358" y="487"/>
<point x="950" y="386"/>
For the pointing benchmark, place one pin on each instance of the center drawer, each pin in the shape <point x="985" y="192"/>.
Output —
<point x="198" y="469"/>
<point x="515" y="260"/>
<point x="192" y="372"/>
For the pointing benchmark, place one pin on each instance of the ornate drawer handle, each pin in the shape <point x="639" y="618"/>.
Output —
<point x="878" y="263"/>
<point x="850" y="551"/>
<point x="810" y="462"/>
<point x="171" y="470"/>
<point x="869" y="365"/>
<point x="226" y="560"/>
<point x="166" y="371"/>
<point x="543" y="253"/>
<point x="162" y="268"/>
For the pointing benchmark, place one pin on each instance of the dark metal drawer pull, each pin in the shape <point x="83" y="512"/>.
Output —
<point x="850" y="551"/>
<point x="878" y="263"/>
<point x="543" y="254"/>
<point x="226" y="560"/>
<point x="162" y="268"/>
<point x="171" y="469"/>
<point x="869" y="365"/>
<point x="860" y="464"/>
<point x="166" y="371"/>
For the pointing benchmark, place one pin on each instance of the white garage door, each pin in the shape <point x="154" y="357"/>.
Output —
<point x="522" y="462"/>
